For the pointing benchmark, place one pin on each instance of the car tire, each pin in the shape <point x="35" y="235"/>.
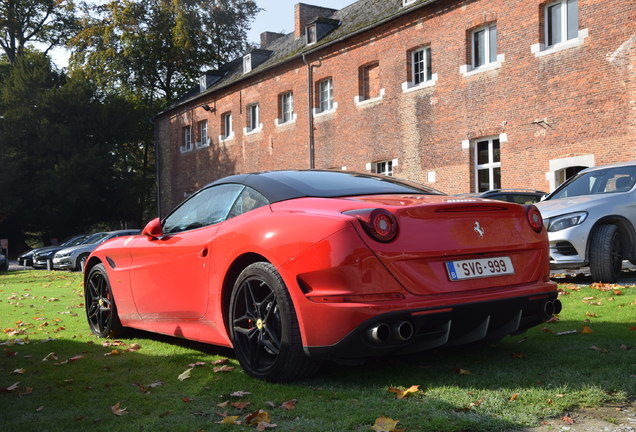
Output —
<point x="605" y="254"/>
<point x="264" y="328"/>
<point x="81" y="262"/>
<point x="101" y="310"/>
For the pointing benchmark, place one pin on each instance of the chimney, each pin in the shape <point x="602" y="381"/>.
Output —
<point x="269" y="37"/>
<point x="304" y="14"/>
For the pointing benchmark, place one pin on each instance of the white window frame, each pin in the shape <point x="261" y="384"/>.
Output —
<point x="490" y="165"/>
<point x="489" y="56"/>
<point x="227" y="132"/>
<point x="542" y="49"/>
<point x="325" y="88"/>
<point x="565" y="13"/>
<point x="311" y="34"/>
<point x="203" y="133"/>
<point x="286" y="103"/>
<point x="383" y="167"/>
<point x="187" y="139"/>
<point x="426" y="61"/>
<point x="407" y="2"/>
<point x="247" y="63"/>
<point x="253" y="123"/>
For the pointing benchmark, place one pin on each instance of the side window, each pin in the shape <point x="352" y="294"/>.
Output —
<point x="247" y="201"/>
<point x="208" y="207"/>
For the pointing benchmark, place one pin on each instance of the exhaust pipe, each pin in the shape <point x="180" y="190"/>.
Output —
<point x="557" y="306"/>
<point x="548" y="308"/>
<point x="402" y="331"/>
<point x="379" y="333"/>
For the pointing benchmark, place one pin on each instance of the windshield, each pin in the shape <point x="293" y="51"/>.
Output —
<point x="603" y="181"/>
<point x="95" y="238"/>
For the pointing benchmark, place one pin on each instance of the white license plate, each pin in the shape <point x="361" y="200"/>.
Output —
<point x="478" y="268"/>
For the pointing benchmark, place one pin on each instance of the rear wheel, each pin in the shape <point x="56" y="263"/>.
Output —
<point x="101" y="310"/>
<point x="264" y="328"/>
<point x="606" y="254"/>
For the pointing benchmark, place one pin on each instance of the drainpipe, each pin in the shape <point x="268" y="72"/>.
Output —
<point x="310" y="113"/>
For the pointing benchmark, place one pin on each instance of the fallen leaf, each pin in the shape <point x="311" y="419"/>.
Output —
<point x="264" y="425"/>
<point x="590" y="314"/>
<point x="77" y="357"/>
<point x="193" y="365"/>
<point x="567" y="420"/>
<point x="20" y="371"/>
<point x="257" y="417"/>
<point x="50" y="357"/>
<point x="220" y="362"/>
<point x="240" y="405"/>
<point x="401" y="394"/>
<point x="117" y="410"/>
<point x="223" y="369"/>
<point x="595" y="348"/>
<point x="11" y="388"/>
<point x="460" y="371"/>
<point x="186" y="399"/>
<point x="223" y="404"/>
<point x="513" y="397"/>
<point x="385" y="424"/>
<point x="113" y="352"/>
<point x="587" y="330"/>
<point x="229" y="420"/>
<point x="240" y="393"/>
<point x="184" y="375"/>
<point x="134" y="347"/>
<point x="518" y="356"/>
<point x="289" y="405"/>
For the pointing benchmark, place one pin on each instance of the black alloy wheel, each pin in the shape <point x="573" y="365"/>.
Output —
<point x="264" y="328"/>
<point x="101" y="311"/>
<point x="606" y="254"/>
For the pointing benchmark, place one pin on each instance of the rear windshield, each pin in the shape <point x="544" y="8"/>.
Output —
<point x="336" y="184"/>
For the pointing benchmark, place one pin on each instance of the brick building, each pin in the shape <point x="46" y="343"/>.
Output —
<point x="463" y="95"/>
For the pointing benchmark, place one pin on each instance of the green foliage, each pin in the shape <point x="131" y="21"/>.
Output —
<point x="540" y="374"/>
<point x="23" y="22"/>
<point x="155" y="49"/>
<point x="70" y="156"/>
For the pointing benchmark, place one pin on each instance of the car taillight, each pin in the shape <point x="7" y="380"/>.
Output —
<point x="380" y="224"/>
<point x="534" y="218"/>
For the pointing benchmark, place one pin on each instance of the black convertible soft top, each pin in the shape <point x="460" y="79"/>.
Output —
<point x="284" y="185"/>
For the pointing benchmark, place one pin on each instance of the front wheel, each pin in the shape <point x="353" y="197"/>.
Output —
<point x="606" y="259"/>
<point x="101" y="310"/>
<point x="264" y="328"/>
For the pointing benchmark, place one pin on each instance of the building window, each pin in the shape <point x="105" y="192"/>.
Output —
<point x="421" y="65"/>
<point x="311" y="34"/>
<point x="484" y="46"/>
<point x="561" y="21"/>
<point x="325" y="95"/>
<point x="253" y="118"/>
<point x="285" y="107"/>
<point x="204" y="140"/>
<point x="487" y="165"/>
<point x="247" y="63"/>
<point x="383" y="167"/>
<point x="226" y="126"/>
<point x="407" y="2"/>
<point x="187" y="139"/>
<point x="369" y="81"/>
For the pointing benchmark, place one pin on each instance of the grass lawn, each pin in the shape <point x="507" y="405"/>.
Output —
<point x="56" y="376"/>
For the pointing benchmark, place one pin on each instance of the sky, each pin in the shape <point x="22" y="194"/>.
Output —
<point x="278" y="15"/>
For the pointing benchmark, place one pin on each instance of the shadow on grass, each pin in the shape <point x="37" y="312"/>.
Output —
<point x="73" y="394"/>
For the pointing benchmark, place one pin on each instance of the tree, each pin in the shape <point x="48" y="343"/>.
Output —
<point x="61" y="151"/>
<point x="23" y="22"/>
<point x="157" y="48"/>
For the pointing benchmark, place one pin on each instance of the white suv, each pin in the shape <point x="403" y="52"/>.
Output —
<point x="591" y="220"/>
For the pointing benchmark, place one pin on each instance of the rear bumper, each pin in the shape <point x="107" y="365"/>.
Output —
<point x="421" y="329"/>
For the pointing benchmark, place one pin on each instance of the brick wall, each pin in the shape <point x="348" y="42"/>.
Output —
<point x="577" y="101"/>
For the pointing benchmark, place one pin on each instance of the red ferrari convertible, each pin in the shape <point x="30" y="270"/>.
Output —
<point x="292" y="268"/>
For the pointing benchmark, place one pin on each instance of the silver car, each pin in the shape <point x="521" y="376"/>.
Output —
<point x="591" y="220"/>
<point x="73" y="258"/>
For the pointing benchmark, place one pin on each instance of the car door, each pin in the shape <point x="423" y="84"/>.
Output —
<point x="170" y="275"/>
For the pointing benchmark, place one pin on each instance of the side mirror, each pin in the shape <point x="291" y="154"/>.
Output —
<point x="153" y="229"/>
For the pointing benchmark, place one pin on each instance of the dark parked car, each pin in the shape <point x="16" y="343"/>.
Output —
<point x="518" y="196"/>
<point x="26" y="259"/>
<point x="43" y="256"/>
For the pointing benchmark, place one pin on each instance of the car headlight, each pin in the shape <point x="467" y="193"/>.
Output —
<point x="566" y="221"/>
<point x="64" y="255"/>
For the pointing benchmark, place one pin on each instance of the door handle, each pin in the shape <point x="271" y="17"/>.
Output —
<point x="203" y="253"/>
